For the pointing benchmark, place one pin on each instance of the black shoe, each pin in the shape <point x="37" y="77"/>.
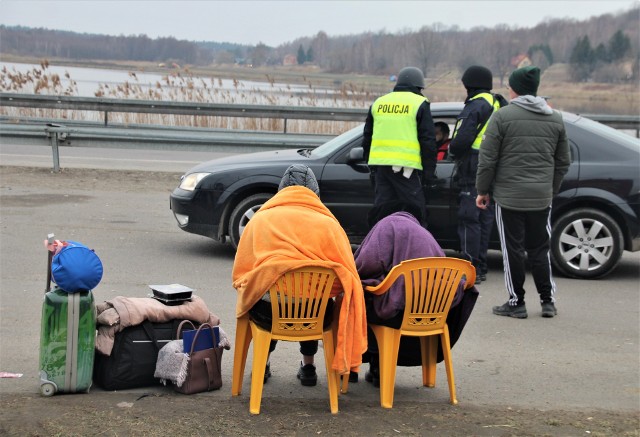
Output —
<point x="373" y="376"/>
<point x="483" y="277"/>
<point x="307" y="375"/>
<point x="353" y="376"/>
<point x="549" y="309"/>
<point x="478" y="280"/>
<point x="267" y="373"/>
<point x="516" y="311"/>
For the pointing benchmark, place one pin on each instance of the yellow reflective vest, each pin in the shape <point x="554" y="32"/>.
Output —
<point x="491" y="100"/>
<point x="395" y="130"/>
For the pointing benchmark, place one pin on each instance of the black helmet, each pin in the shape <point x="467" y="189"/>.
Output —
<point x="411" y="76"/>
<point x="477" y="77"/>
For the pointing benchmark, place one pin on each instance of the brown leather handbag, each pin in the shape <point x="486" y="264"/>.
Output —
<point x="204" y="368"/>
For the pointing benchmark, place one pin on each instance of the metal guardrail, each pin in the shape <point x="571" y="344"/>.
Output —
<point x="68" y="133"/>
<point x="630" y="122"/>
<point x="52" y="132"/>
<point x="108" y="105"/>
<point x="158" y="138"/>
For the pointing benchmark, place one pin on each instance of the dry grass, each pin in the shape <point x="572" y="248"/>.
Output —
<point x="184" y="86"/>
<point x="302" y="88"/>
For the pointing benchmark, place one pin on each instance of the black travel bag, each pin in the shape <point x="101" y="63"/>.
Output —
<point x="132" y="362"/>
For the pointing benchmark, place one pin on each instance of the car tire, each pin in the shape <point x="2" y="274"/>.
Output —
<point x="242" y="213"/>
<point x="585" y="244"/>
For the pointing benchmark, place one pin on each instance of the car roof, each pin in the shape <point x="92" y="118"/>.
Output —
<point x="443" y="109"/>
<point x="446" y="109"/>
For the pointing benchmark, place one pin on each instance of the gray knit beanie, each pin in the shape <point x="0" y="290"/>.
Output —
<point x="299" y="174"/>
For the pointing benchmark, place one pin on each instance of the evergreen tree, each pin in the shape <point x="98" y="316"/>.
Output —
<point x="582" y="52"/>
<point x="301" y="55"/>
<point x="619" y="46"/>
<point x="600" y="53"/>
<point x="310" y="54"/>
<point x="544" y="49"/>
<point x="582" y="60"/>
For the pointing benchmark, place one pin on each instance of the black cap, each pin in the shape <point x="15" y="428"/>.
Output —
<point x="477" y="77"/>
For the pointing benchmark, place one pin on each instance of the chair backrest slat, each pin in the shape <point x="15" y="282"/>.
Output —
<point x="430" y="286"/>
<point x="299" y="300"/>
<point x="314" y="290"/>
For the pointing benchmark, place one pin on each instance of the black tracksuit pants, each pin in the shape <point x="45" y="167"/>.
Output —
<point x="528" y="231"/>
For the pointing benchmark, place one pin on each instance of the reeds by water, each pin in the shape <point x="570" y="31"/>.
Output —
<point x="182" y="86"/>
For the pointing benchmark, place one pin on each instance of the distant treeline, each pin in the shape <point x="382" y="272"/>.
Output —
<point x="84" y="46"/>
<point x="604" y="48"/>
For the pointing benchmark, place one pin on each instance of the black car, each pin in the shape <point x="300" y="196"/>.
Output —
<point x="595" y="216"/>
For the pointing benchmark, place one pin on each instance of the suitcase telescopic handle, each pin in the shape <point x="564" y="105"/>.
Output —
<point x="50" y="241"/>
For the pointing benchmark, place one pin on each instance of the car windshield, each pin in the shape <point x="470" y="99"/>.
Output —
<point x="609" y="133"/>
<point x="332" y="145"/>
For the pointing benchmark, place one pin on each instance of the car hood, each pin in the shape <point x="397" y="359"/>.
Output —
<point x="248" y="160"/>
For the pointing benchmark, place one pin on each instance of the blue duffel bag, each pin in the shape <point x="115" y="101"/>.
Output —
<point x="76" y="268"/>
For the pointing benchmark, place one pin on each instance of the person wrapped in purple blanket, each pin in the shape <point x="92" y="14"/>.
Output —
<point x="396" y="235"/>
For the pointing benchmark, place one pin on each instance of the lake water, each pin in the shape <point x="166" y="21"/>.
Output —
<point x="173" y="85"/>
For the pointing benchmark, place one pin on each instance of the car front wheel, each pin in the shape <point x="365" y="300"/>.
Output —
<point x="585" y="244"/>
<point x="242" y="213"/>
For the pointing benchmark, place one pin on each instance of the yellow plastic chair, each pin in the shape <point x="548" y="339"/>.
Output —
<point x="430" y="286"/>
<point x="298" y="304"/>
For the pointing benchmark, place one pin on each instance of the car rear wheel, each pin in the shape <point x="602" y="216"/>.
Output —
<point x="242" y="213"/>
<point x="586" y="243"/>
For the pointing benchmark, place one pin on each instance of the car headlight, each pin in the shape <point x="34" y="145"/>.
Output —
<point x="189" y="182"/>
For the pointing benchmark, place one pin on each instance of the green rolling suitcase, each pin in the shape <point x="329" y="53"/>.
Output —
<point x="67" y="340"/>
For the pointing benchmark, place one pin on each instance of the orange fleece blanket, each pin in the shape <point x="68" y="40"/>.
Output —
<point x="294" y="229"/>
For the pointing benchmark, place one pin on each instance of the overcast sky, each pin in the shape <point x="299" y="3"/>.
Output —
<point x="277" y="22"/>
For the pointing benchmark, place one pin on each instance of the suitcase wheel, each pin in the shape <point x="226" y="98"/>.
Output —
<point x="47" y="389"/>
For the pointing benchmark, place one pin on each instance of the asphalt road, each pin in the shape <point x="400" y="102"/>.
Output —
<point x="585" y="358"/>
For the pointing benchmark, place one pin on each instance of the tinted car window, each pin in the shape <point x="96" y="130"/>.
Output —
<point x="331" y="146"/>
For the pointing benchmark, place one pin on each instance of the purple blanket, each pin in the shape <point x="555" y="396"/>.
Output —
<point x="394" y="239"/>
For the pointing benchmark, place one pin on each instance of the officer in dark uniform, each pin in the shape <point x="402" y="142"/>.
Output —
<point x="474" y="224"/>
<point x="399" y="142"/>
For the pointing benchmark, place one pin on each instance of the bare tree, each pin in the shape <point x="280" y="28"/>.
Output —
<point x="435" y="49"/>
<point x="427" y="46"/>
<point x="320" y="46"/>
<point x="504" y="48"/>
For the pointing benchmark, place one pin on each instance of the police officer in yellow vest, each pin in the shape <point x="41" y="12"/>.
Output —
<point x="474" y="224"/>
<point x="399" y="142"/>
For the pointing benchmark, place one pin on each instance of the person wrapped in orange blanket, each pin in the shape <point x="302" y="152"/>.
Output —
<point x="295" y="229"/>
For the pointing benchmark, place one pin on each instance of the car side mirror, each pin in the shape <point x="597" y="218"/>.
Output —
<point x="356" y="155"/>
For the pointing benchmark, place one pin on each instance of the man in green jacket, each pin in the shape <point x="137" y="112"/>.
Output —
<point x="523" y="158"/>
